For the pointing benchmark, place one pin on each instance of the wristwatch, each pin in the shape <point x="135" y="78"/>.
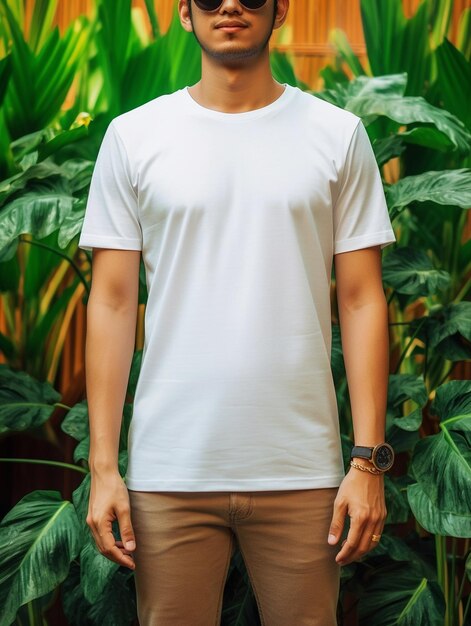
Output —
<point x="381" y="455"/>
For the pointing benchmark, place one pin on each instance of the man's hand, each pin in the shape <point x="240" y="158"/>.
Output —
<point x="361" y="495"/>
<point x="109" y="499"/>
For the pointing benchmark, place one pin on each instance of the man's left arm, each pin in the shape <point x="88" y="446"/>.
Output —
<point x="363" y="316"/>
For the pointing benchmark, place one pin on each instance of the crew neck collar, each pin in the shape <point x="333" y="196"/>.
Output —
<point x="274" y="106"/>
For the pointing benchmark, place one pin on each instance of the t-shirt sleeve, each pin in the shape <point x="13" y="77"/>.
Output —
<point x="111" y="214"/>
<point x="360" y="213"/>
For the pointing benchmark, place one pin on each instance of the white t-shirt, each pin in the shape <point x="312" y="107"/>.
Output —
<point x="238" y="216"/>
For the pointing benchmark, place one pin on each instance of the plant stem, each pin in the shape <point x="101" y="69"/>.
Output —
<point x="442" y="572"/>
<point x="451" y="589"/>
<point x="62" y="406"/>
<point x="78" y="271"/>
<point x="77" y="468"/>
<point x="404" y="352"/>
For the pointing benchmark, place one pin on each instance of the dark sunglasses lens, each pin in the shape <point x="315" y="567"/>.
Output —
<point x="208" y="5"/>
<point x="253" y="4"/>
<point x="212" y="5"/>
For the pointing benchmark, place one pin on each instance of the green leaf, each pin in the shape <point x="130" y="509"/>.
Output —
<point x="410" y="270"/>
<point x="454" y="81"/>
<point x="449" y="187"/>
<point x="386" y="148"/>
<point x="399" y="597"/>
<point x="38" y="213"/>
<point x="411" y="110"/>
<point x="96" y="571"/>
<point x="115" y="607"/>
<point x="441" y="465"/>
<point x="398" y="512"/>
<point x="440" y="14"/>
<point x="394" y="43"/>
<point x="426" y="136"/>
<point x="134" y="373"/>
<point x="338" y="38"/>
<point x="452" y="404"/>
<point x="404" y="387"/>
<point x="39" y="539"/>
<point x="447" y="330"/>
<point x="24" y="401"/>
<point x="5" y="73"/>
<point x="75" y="422"/>
<point x="152" y="18"/>
<point x="282" y="68"/>
<point x="434" y="519"/>
<point x="41" y="22"/>
<point x="185" y="54"/>
<point x="463" y="38"/>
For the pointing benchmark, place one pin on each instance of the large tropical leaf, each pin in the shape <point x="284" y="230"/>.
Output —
<point x="401" y="430"/>
<point x="411" y="110"/>
<point x="75" y="422"/>
<point x="411" y="271"/>
<point x="5" y="73"/>
<point x="39" y="539"/>
<point x="35" y="213"/>
<point x="184" y="53"/>
<point x="394" y="43"/>
<point x="398" y="512"/>
<point x="454" y="81"/>
<point x="282" y="69"/>
<point x="447" y="330"/>
<point x="147" y="76"/>
<point x="452" y="404"/>
<point x="24" y="401"/>
<point x="96" y="571"/>
<point x="401" y="597"/>
<point x="449" y="187"/>
<point x="338" y="38"/>
<point x="115" y="607"/>
<point x="39" y="84"/>
<point x="362" y="86"/>
<point x="441" y="465"/>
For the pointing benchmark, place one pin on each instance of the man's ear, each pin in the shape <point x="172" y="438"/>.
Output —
<point x="281" y="13"/>
<point x="184" y="13"/>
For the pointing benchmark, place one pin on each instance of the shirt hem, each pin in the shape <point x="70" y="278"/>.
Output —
<point x="256" y="484"/>
<point x="384" y="238"/>
<point x="89" y="242"/>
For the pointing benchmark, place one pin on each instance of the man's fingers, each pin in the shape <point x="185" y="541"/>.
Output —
<point x="107" y="544"/>
<point x="360" y="544"/>
<point x="352" y="541"/>
<point x="125" y="528"/>
<point x="338" y="521"/>
<point x="112" y="551"/>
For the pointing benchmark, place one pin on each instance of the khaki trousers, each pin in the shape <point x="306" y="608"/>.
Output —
<point x="184" y="544"/>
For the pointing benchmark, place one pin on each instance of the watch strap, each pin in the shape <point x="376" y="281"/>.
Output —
<point x="363" y="452"/>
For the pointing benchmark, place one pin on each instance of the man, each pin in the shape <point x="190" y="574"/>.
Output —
<point x="239" y="193"/>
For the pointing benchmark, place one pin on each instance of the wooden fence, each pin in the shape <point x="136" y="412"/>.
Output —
<point x="305" y="34"/>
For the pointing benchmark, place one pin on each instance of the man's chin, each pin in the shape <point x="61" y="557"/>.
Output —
<point x="234" y="54"/>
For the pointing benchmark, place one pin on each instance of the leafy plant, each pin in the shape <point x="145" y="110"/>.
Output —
<point x="414" y="103"/>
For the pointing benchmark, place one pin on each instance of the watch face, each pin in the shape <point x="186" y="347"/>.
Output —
<point x="384" y="457"/>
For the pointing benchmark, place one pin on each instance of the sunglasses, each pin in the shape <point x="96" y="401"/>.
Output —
<point x="213" y="5"/>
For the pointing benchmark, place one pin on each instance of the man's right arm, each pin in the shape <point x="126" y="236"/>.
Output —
<point x="110" y="342"/>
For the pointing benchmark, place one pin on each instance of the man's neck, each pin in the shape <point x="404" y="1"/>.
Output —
<point x="236" y="90"/>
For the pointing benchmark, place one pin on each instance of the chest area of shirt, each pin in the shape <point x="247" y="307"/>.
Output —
<point x="236" y="174"/>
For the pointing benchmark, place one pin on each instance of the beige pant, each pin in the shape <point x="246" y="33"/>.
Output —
<point x="184" y="544"/>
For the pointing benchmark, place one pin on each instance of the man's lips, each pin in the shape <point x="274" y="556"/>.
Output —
<point x="230" y="25"/>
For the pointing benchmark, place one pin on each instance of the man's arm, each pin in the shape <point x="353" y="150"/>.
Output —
<point x="363" y="319"/>
<point x="111" y="330"/>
